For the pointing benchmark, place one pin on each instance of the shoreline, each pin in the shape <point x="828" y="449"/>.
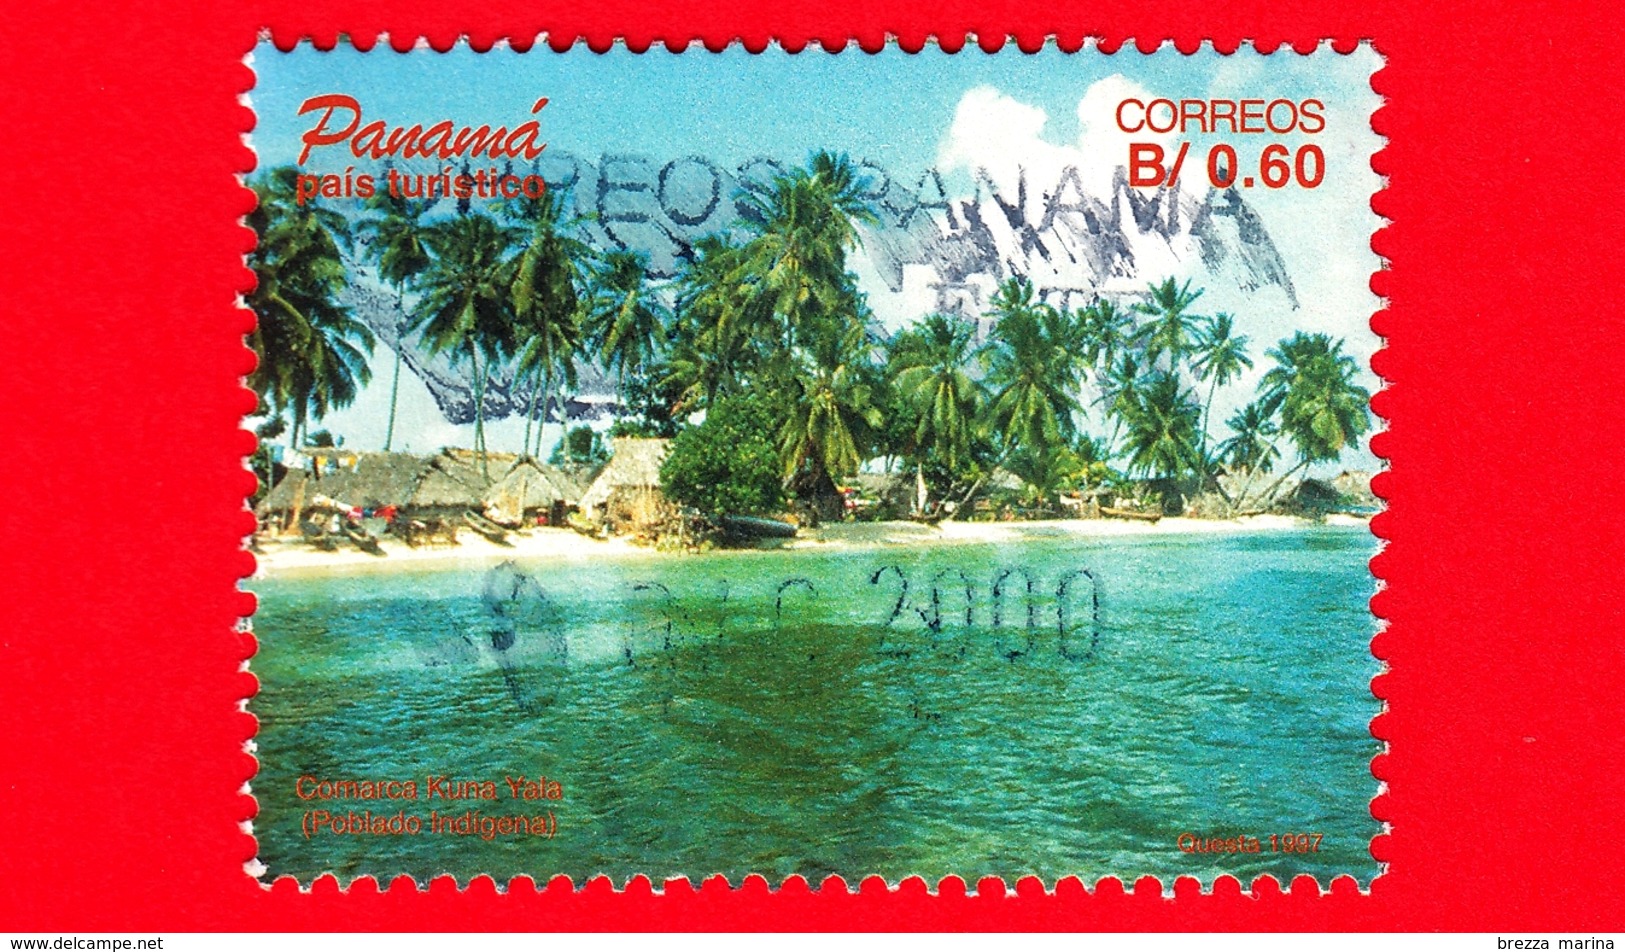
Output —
<point x="296" y="558"/>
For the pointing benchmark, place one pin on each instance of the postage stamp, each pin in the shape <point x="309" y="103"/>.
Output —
<point x="903" y="464"/>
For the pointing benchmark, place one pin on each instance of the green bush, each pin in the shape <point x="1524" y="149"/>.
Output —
<point x="580" y="446"/>
<point x="729" y="463"/>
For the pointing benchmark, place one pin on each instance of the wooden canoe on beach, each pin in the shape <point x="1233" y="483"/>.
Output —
<point x="756" y="527"/>
<point x="364" y="540"/>
<point x="486" y="528"/>
<point x="1130" y="514"/>
<point x="318" y="537"/>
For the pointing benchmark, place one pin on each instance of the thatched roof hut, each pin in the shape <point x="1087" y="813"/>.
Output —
<point x="634" y="465"/>
<point x="1356" y="486"/>
<point x="359" y="479"/>
<point x="627" y="492"/>
<point x="528" y="487"/>
<point x="290" y="492"/>
<point x="444" y="484"/>
<point x="377" y="480"/>
<point x="574" y="481"/>
<point x="1002" y="480"/>
<point x="891" y="495"/>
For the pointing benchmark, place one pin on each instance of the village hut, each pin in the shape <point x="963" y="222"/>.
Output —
<point x="1312" y="497"/>
<point x="531" y="493"/>
<point x="278" y="509"/>
<point x="998" y="493"/>
<point x="884" y="495"/>
<point x="446" y="487"/>
<point x="1355" y="486"/>
<point x="627" y="493"/>
<point x="378" y="480"/>
<point x="425" y="495"/>
<point x="331" y="481"/>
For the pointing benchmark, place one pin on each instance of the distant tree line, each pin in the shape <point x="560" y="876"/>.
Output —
<point x="766" y="331"/>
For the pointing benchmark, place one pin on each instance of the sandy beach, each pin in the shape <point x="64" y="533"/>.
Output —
<point x="859" y="534"/>
<point x="294" y="557"/>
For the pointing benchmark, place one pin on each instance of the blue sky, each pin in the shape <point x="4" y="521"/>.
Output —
<point x="906" y="112"/>
<point x="889" y="106"/>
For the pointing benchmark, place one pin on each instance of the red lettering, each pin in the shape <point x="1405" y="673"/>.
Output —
<point x="442" y="131"/>
<point x="1315" y="115"/>
<point x="474" y="141"/>
<point x="1192" y="110"/>
<point x="319" y="135"/>
<point x="1138" y="125"/>
<point x="1292" y="120"/>
<point x="1251" y="115"/>
<point x="1173" y="115"/>
<point x="442" y="139"/>
<point x="1145" y="164"/>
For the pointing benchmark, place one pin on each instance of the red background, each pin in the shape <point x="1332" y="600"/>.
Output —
<point x="121" y="745"/>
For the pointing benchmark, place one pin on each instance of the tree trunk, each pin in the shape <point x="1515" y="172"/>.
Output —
<point x="1207" y="418"/>
<point x="1270" y="492"/>
<point x="395" y="383"/>
<point x="394" y="394"/>
<point x="1252" y="474"/>
<point x="547" y="397"/>
<point x="564" y="416"/>
<point x="530" y="412"/>
<point x="816" y="490"/>
<point x="965" y="499"/>
<point x="479" y="417"/>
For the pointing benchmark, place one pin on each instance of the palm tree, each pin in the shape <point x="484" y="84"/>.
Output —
<point x="832" y="419"/>
<point x="401" y="251"/>
<point x="1220" y="358"/>
<point x="1031" y="370"/>
<point x="547" y="308"/>
<point x="929" y="366"/>
<point x="625" y="321"/>
<point x="804" y="222"/>
<point x="1172" y="329"/>
<point x="1048" y="471"/>
<point x="466" y="308"/>
<point x="1108" y="331"/>
<point x="1161" y="425"/>
<point x="547" y="341"/>
<point x="312" y="350"/>
<point x="1251" y="448"/>
<point x="1119" y="389"/>
<point x="1322" y="409"/>
<point x="714" y="323"/>
<point x="790" y="276"/>
<point x="1252" y="445"/>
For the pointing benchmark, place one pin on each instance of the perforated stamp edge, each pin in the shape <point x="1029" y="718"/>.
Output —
<point x="1264" y="887"/>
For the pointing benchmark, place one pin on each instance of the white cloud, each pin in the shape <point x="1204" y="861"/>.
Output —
<point x="1322" y="234"/>
<point x="995" y="134"/>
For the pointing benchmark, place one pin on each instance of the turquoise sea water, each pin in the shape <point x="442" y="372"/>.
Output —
<point x="791" y="712"/>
